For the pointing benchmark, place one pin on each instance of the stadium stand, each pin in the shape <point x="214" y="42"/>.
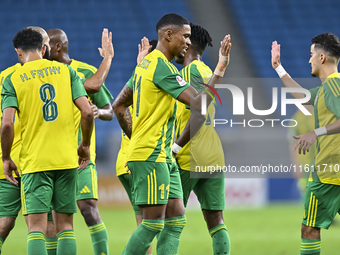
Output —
<point x="83" y="22"/>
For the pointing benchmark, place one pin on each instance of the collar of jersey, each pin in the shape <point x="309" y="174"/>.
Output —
<point x="333" y="75"/>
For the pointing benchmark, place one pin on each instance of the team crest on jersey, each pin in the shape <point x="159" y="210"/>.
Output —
<point x="180" y="80"/>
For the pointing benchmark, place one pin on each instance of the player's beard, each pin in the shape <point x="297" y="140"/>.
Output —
<point x="47" y="54"/>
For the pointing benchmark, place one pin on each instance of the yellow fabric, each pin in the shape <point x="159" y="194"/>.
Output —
<point x="16" y="147"/>
<point x="327" y="157"/>
<point x="205" y="148"/>
<point x="121" y="158"/>
<point x="39" y="141"/>
<point x="156" y="84"/>
<point x="77" y="115"/>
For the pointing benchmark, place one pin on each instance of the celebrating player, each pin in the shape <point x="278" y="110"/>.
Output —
<point x="43" y="92"/>
<point x="11" y="200"/>
<point x="153" y="88"/>
<point x="322" y="200"/>
<point x="205" y="148"/>
<point x="87" y="196"/>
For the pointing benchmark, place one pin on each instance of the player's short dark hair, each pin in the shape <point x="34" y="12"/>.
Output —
<point x="327" y="42"/>
<point x="28" y="39"/>
<point x="199" y="36"/>
<point x="171" y="19"/>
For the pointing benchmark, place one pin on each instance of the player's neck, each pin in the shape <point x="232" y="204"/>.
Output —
<point x="191" y="57"/>
<point x="327" y="71"/>
<point x="65" y="58"/>
<point x="30" y="56"/>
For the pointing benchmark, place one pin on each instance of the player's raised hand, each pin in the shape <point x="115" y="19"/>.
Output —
<point x="225" y="50"/>
<point x="84" y="156"/>
<point x="107" y="47"/>
<point x="305" y="141"/>
<point x="9" y="167"/>
<point x="143" y="49"/>
<point x="275" y="54"/>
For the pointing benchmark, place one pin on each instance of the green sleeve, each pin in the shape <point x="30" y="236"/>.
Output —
<point x="313" y="93"/>
<point x="169" y="80"/>
<point x="102" y="97"/>
<point x="8" y="94"/>
<point x="130" y="81"/>
<point x="77" y="86"/>
<point x="332" y="100"/>
<point x="196" y="80"/>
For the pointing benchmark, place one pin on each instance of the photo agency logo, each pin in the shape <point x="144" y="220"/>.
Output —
<point x="238" y="107"/>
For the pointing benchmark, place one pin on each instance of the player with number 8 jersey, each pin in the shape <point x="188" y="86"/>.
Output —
<point x="43" y="97"/>
<point x="43" y="93"/>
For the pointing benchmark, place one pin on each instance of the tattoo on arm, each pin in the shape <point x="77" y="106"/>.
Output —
<point x="120" y="107"/>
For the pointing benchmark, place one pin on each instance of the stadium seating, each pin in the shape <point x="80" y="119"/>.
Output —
<point x="292" y="23"/>
<point x="83" y="22"/>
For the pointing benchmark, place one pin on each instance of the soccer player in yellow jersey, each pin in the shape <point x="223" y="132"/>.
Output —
<point x="152" y="89"/>
<point x="145" y="47"/>
<point x="10" y="194"/>
<point x="305" y="124"/>
<point x="43" y="92"/>
<point x="100" y="96"/>
<point x="322" y="200"/>
<point x="205" y="148"/>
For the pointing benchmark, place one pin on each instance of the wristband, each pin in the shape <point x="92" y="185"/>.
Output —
<point x="280" y="71"/>
<point x="320" y="131"/>
<point x="176" y="148"/>
<point x="218" y="73"/>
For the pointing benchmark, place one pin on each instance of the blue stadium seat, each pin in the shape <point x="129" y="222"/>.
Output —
<point x="83" y="22"/>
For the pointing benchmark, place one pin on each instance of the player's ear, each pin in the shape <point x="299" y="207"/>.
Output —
<point x="58" y="46"/>
<point x="323" y="58"/>
<point x="168" y="35"/>
<point x="19" y="52"/>
<point x="43" y="50"/>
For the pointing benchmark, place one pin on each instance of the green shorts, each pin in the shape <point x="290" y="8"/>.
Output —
<point x="10" y="199"/>
<point x="87" y="183"/>
<point x="210" y="192"/>
<point x="154" y="182"/>
<point x="55" y="188"/>
<point x="126" y="180"/>
<point x="322" y="203"/>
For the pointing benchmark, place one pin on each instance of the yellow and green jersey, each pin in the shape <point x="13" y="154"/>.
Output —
<point x="205" y="148"/>
<point x="100" y="99"/>
<point x="121" y="158"/>
<point x="156" y="83"/>
<point x="16" y="147"/>
<point x="304" y="125"/>
<point x="326" y="101"/>
<point x="43" y="92"/>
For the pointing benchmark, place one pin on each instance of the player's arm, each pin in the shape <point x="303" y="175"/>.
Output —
<point x="190" y="96"/>
<point x="94" y="83"/>
<point x="121" y="108"/>
<point x="86" y="125"/>
<point x="194" y="124"/>
<point x="333" y="104"/>
<point x="286" y="79"/>
<point x="9" y="105"/>
<point x="104" y="113"/>
<point x="79" y="97"/>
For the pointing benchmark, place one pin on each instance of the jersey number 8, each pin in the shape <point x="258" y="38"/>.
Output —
<point x="50" y="108"/>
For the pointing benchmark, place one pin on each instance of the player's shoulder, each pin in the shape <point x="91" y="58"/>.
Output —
<point x="10" y="70"/>
<point x="332" y="84"/>
<point x="163" y="65"/>
<point x="79" y="66"/>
